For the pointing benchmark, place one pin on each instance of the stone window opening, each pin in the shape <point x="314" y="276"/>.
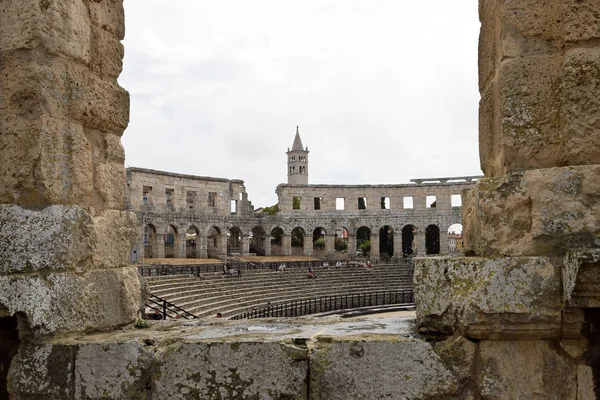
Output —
<point x="430" y="201"/>
<point x="212" y="199"/>
<point x="385" y="203"/>
<point x="234" y="206"/>
<point x="362" y="203"/>
<point x="169" y="196"/>
<point x="455" y="200"/>
<point x="339" y="203"/>
<point x="295" y="203"/>
<point x="318" y="201"/>
<point x="190" y="199"/>
<point x="407" y="202"/>
<point x="147" y="195"/>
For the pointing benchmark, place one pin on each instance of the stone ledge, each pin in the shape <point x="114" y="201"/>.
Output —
<point x="510" y="298"/>
<point x="65" y="302"/>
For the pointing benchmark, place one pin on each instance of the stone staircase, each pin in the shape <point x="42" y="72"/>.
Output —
<point x="210" y="293"/>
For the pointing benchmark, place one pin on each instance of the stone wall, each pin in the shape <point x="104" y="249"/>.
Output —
<point x="62" y="182"/>
<point x="529" y="298"/>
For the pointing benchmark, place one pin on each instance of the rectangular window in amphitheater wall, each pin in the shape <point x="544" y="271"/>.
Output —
<point x="169" y="196"/>
<point x="362" y="203"/>
<point x="385" y="203"/>
<point x="212" y="199"/>
<point x="190" y="199"/>
<point x="430" y="201"/>
<point x="407" y="202"/>
<point x="296" y="203"/>
<point x="318" y="201"/>
<point x="147" y="195"/>
<point x="456" y="200"/>
<point x="339" y="203"/>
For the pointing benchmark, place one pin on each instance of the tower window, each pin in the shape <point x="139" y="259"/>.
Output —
<point x="317" y="201"/>
<point x="362" y="203"/>
<point x="296" y="203"/>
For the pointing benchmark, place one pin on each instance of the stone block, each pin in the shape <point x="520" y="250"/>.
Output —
<point x="458" y="353"/>
<point x="110" y="181"/>
<point x="59" y="26"/>
<point x="489" y="37"/>
<point x="105" y="298"/>
<point x="236" y="370"/>
<point x="545" y="211"/>
<point x="502" y="298"/>
<point x="583" y="21"/>
<point x="377" y="369"/>
<point x="581" y="278"/>
<point x="64" y="238"/>
<point x="525" y="369"/>
<point x="106" y="54"/>
<point x="109" y="16"/>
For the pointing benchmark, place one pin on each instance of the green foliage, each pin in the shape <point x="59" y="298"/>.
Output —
<point x="296" y="203"/>
<point x="297" y="238"/>
<point x="141" y="324"/>
<point x="273" y="210"/>
<point x="365" y="247"/>
<point x="341" y="244"/>
<point x="319" y="243"/>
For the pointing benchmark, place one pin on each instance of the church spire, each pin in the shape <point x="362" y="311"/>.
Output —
<point x="297" y="146"/>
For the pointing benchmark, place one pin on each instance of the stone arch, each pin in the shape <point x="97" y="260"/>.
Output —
<point x="234" y="240"/>
<point x="408" y="239"/>
<point x="341" y="237"/>
<point x="455" y="238"/>
<point x="192" y="240"/>
<point x="171" y="240"/>
<point x="386" y="241"/>
<point x="363" y="235"/>
<point x="276" y="238"/>
<point x="258" y="244"/>
<point x="214" y="242"/>
<point x="432" y="239"/>
<point x="150" y="241"/>
<point x="297" y="241"/>
<point x="318" y="239"/>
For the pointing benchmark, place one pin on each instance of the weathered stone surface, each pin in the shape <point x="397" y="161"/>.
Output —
<point x="525" y="370"/>
<point x="60" y="26"/>
<point x="489" y="298"/>
<point x="458" y="353"/>
<point x="104" y="299"/>
<point x="581" y="278"/>
<point x="63" y="238"/>
<point x="231" y="371"/>
<point x="395" y="369"/>
<point x="547" y="211"/>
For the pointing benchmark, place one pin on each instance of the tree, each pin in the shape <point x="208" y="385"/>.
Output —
<point x="271" y="210"/>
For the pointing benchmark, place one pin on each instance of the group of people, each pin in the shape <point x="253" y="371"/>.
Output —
<point x="229" y="271"/>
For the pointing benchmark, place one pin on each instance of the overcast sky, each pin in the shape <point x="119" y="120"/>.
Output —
<point x="383" y="91"/>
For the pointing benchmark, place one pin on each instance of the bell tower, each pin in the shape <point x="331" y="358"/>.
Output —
<point x="297" y="162"/>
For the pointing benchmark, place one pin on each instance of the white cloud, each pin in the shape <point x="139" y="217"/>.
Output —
<point x="383" y="91"/>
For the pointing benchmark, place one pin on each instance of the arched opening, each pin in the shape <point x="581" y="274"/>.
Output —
<point x="341" y="241"/>
<point x="298" y="241"/>
<point x="386" y="242"/>
<point x="432" y="239"/>
<point x="259" y="241"/>
<point x="276" y="241"/>
<point x="363" y="241"/>
<point x="214" y="245"/>
<point x="9" y="344"/>
<point x="192" y="237"/>
<point x="318" y="240"/>
<point x="455" y="238"/>
<point x="234" y="241"/>
<point x="408" y="240"/>
<point x="171" y="242"/>
<point x="149" y="240"/>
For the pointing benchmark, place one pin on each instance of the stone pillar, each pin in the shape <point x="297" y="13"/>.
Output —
<point x="267" y="246"/>
<point x="65" y="234"/>
<point x="180" y="246"/>
<point x="419" y="242"/>
<point x="375" y="246"/>
<point x="223" y="247"/>
<point x="245" y="245"/>
<point x="201" y="246"/>
<point x="330" y="246"/>
<point x="443" y="241"/>
<point x="286" y="244"/>
<point x="158" y="248"/>
<point x="397" y="243"/>
<point x="308" y="246"/>
<point x="351" y="244"/>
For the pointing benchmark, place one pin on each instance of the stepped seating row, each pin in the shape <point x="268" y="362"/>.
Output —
<point x="210" y="293"/>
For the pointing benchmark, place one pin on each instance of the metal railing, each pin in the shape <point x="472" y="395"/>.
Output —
<point x="297" y="308"/>
<point x="167" y="309"/>
<point x="197" y="269"/>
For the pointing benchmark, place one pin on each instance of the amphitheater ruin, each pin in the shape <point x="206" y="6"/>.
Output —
<point x="519" y="319"/>
<point x="199" y="217"/>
